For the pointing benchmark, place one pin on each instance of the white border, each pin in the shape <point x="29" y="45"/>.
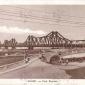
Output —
<point x="42" y="82"/>
<point x="42" y="2"/>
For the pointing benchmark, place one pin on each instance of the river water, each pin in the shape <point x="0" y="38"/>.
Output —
<point x="78" y="73"/>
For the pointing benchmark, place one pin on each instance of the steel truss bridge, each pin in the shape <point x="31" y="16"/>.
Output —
<point x="53" y="39"/>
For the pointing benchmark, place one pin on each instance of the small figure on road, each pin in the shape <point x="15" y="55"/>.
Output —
<point x="66" y="61"/>
<point x="61" y="59"/>
<point x="43" y="58"/>
<point x="27" y="60"/>
<point x="26" y="57"/>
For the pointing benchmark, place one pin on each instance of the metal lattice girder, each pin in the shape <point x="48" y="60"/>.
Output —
<point x="52" y="39"/>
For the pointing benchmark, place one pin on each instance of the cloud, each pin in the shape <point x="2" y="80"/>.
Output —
<point x="17" y="30"/>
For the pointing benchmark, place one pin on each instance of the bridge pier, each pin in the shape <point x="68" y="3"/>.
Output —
<point x="13" y="48"/>
<point x="30" y="48"/>
<point x="6" y="47"/>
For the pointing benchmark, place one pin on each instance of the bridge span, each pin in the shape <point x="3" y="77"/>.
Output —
<point x="53" y="39"/>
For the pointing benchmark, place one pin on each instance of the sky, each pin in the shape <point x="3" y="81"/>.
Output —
<point x="19" y="21"/>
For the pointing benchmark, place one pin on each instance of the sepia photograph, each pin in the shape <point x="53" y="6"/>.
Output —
<point x="42" y="41"/>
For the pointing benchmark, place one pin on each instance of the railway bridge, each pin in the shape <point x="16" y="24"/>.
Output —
<point x="53" y="39"/>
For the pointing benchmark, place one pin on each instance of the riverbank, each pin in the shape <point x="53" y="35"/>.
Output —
<point x="36" y="70"/>
<point x="78" y="73"/>
<point x="42" y="70"/>
<point x="74" y="70"/>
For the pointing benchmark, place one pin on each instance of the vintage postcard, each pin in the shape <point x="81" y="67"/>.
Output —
<point x="42" y="44"/>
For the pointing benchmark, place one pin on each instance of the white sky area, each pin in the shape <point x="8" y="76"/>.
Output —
<point x="17" y="30"/>
<point x="42" y="2"/>
<point x="19" y="21"/>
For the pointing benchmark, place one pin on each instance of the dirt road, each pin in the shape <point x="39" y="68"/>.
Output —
<point x="37" y="69"/>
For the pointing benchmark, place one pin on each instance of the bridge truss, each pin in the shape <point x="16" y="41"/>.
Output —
<point x="53" y="39"/>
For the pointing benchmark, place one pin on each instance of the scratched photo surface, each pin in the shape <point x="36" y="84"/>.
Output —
<point x="42" y="41"/>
